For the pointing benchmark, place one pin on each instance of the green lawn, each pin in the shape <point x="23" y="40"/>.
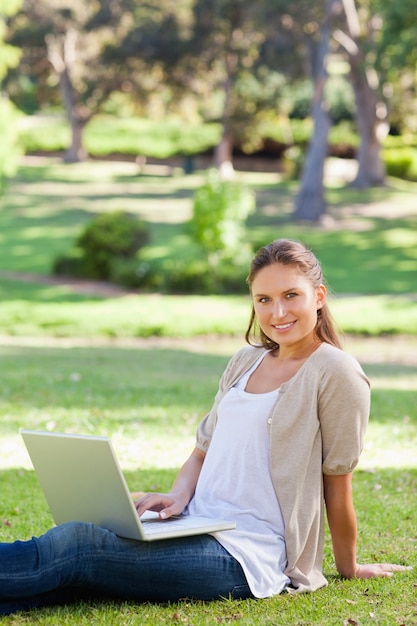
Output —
<point x="370" y="246"/>
<point x="368" y="249"/>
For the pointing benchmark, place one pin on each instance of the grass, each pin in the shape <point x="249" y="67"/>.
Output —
<point x="157" y="397"/>
<point x="58" y="311"/>
<point x="369" y="249"/>
<point x="47" y="204"/>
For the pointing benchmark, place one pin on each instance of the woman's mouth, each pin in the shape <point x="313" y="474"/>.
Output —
<point x="282" y="327"/>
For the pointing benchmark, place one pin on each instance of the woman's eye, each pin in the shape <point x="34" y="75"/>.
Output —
<point x="291" y="295"/>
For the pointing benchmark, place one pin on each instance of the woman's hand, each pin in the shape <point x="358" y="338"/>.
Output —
<point x="383" y="570"/>
<point x="174" y="502"/>
<point x="166" y="504"/>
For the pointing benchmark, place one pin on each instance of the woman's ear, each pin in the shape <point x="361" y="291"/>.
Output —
<point x="321" y="294"/>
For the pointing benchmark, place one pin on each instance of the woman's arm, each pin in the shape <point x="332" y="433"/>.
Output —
<point x="342" y="522"/>
<point x="174" y="502"/>
<point x="343" y="529"/>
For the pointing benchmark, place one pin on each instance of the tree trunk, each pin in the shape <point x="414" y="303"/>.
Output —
<point x="76" y="152"/>
<point x="371" y="170"/>
<point x="62" y="54"/>
<point x="371" y="112"/>
<point x="310" y="203"/>
<point x="223" y="157"/>
<point x="223" y="154"/>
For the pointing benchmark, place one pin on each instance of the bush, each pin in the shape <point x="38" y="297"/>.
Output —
<point x="69" y="264"/>
<point x="398" y="162"/>
<point x="106" y="249"/>
<point x="220" y="210"/>
<point x="198" y="277"/>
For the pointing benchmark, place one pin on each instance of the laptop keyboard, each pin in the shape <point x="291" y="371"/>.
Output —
<point x="156" y="525"/>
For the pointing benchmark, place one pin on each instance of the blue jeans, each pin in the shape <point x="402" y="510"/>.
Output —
<point x="76" y="561"/>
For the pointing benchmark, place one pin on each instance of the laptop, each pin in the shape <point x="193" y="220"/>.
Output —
<point x="82" y="481"/>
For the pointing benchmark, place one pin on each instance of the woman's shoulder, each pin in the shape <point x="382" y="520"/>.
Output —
<point x="331" y="354"/>
<point x="336" y="361"/>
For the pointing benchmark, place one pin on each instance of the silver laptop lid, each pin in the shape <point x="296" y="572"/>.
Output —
<point x="82" y="481"/>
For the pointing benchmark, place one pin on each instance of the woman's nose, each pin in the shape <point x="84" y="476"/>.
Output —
<point x="279" y="309"/>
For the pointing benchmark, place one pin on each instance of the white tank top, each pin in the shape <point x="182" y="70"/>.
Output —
<point x="235" y="483"/>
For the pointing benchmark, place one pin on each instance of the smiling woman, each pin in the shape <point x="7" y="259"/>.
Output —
<point x="285" y="432"/>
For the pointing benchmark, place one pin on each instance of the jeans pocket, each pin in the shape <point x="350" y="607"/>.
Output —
<point x="241" y="592"/>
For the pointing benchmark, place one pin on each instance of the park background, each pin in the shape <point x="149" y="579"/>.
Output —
<point x="196" y="118"/>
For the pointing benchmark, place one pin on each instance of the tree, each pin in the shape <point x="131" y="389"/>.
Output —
<point x="96" y="49"/>
<point x="343" y="27"/>
<point x="395" y="60"/>
<point x="310" y="203"/>
<point x="9" y="57"/>
<point x="309" y="25"/>
<point x="225" y="64"/>
<point x="371" y="110"/>
<point x="73" y="38"/>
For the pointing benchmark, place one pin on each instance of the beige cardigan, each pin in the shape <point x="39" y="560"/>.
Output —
<point x="317" y="426"/>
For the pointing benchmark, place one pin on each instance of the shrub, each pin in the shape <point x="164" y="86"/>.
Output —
<point x="107" y="242"/>
<point x="398" y="161"/>
<point x="220" y="210"/>
<point x="198" y="277"/>
<point x="69" y="264"/>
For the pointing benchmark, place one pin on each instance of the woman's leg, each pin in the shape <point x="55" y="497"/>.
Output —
<point x="49" y="569"/>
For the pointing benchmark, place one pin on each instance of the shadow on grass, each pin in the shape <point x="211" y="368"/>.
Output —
<point x="391" y="370"/>
<point x="28" y="291"/>
<point x="380" y="259"/>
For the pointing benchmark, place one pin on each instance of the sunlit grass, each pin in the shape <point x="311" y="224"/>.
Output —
<point x="58" y="311"/>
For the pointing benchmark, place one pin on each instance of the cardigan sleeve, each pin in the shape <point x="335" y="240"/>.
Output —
<point x="344" y="405"/>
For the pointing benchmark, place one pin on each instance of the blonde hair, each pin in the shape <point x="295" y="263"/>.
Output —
<point x="288" y="252"/>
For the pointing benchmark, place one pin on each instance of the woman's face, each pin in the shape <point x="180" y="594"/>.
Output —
<point x="286" y="304"/>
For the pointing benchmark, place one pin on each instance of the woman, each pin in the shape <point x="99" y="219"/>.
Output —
<point x="284" y="434"/>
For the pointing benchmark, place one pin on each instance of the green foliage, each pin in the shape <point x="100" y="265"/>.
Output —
<point x="108" y="135"/>
<point x="220" y="210"/>
<point x="10" y="149"/>
<point x="104" y="241"/>
<point x="196" y="276"/>
<point x="9" y="57"/>
<point x="343" y="134"/>
<point x="338" y="94"/>
<point x="340" y="98"/>
<point x="44" y="133"/>
<point x="398" y="161"/>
